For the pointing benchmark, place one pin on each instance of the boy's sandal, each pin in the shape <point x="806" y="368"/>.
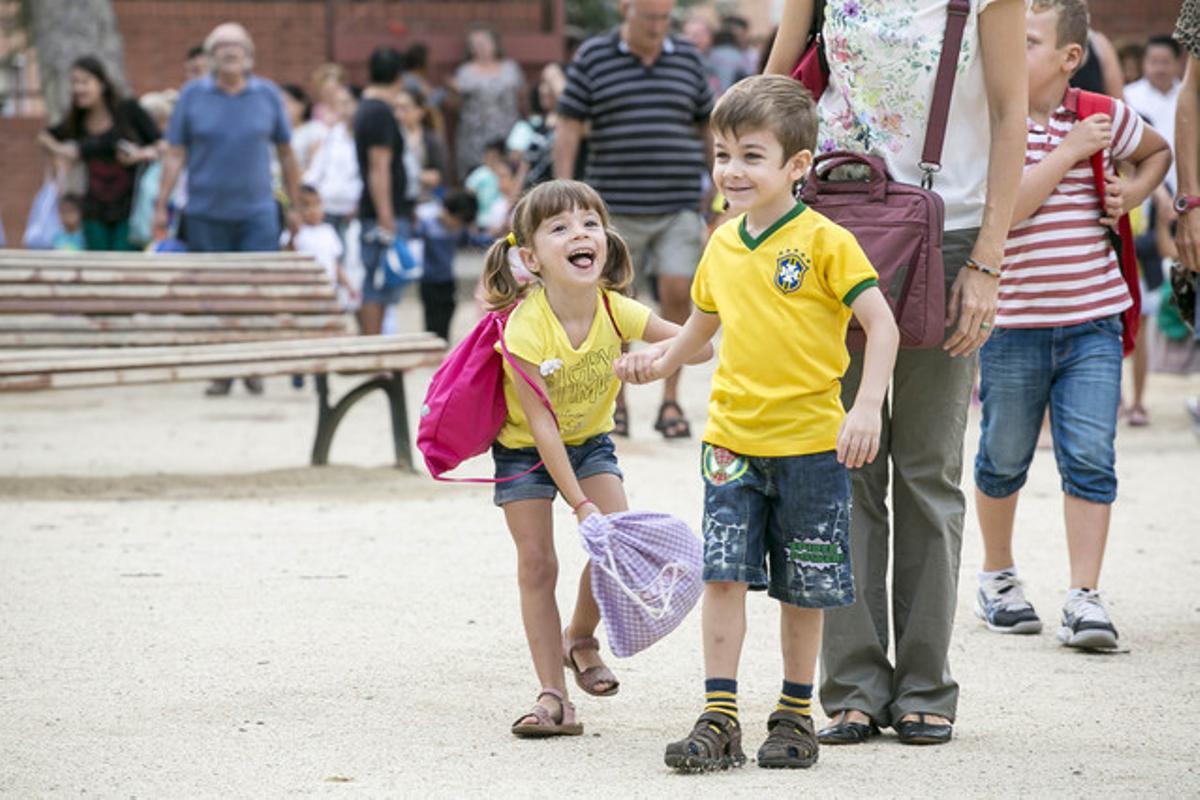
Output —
<point x="714" y="743"/>
<point x="589" y="678"/>
<point x="843" y="731"/>
<point x="621" y="421"/>
<point x="791" y="742"/>
<point x="539" y="723"/>
<point x="676" y="427"/>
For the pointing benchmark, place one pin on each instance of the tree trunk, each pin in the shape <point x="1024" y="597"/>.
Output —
<point x="64" y="30"/>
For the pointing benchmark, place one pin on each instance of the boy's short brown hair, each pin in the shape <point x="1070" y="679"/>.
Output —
<point x="769" y="102"/>
<point x="1073" y="21"/>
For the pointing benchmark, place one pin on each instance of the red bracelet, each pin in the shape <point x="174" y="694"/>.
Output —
<point x="580" y="504"/>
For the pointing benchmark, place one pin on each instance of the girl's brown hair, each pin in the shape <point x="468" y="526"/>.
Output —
<point x="502" y="289"/>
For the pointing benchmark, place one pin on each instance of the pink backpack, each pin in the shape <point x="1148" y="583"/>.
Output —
<point x="464" y="407"/>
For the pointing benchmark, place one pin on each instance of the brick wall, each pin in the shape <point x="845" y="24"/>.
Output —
<point x="1124" y="20"/>
<point x="21" y="165"/>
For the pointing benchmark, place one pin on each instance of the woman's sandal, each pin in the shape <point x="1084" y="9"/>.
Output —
<point x="791" y="742"/>
<point x="843" y="731"/>
<point x="677" y="427"/>
<point x="587" y="679"/>
<point x="539" y="723"/>
<point x="620" y="421"/>
<point x="714" y="743"/>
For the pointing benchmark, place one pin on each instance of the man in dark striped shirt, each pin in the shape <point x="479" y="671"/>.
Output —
<point x="647" y="99"/>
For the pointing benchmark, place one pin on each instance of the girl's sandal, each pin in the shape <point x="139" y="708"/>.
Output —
<point x="539" y="723"/>
<point x="674" y="427"/>
<point x="589" y="678"/>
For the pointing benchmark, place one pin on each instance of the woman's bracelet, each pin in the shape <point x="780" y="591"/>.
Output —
<point x="575" y="508"/>
<point x="984" y="268"/>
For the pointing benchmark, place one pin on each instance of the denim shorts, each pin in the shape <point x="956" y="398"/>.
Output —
<point x="780" y="524"/>
<point x="1075" y="371"/>
<point x="596" y="456"/>
<point x="373" y="252"/>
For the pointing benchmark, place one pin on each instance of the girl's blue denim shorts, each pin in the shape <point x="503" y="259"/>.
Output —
<point x="596" y="456"/>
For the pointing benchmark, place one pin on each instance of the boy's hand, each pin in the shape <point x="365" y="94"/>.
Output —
<point x="1114" y="200"/>
<point x="1089" y="136"/>
<point x="858" y="440"/>
<point x="643" y="366"/>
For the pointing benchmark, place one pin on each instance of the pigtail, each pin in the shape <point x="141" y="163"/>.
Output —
<point x="617" y="275"/>
<point x="501" y="288"/>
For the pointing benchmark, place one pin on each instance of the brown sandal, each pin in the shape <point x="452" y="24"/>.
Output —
<point x="587" y="679"/>
<point x="544" y="724"/>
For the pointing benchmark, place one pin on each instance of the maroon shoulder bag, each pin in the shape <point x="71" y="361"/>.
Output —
<point x="898" y="225"/>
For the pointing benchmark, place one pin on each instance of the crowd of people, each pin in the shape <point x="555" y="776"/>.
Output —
<point x="690" y="159"/>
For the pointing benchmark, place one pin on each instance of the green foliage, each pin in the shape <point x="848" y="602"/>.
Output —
<point x="592" y="16"/>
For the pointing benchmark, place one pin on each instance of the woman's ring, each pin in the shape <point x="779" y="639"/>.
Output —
<point x="983" y="326"/>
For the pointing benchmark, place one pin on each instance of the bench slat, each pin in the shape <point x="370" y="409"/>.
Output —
<point x="128" y="377"/>
<point x="166" y="306"/>
<point x="311" y="291"/>
<point x="16" y="362"/>
<point x="140" y="339"/>
<point x="308" y="274"/>
<point x="19" y="323"/>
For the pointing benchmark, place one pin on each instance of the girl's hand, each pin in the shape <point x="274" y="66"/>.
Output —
<point x="1114" y="200"/>
<point x="858" y="440"/>
<point x="585" y="511"/>
<point x="643" y="366"/>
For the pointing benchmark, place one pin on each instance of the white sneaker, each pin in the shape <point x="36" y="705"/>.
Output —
<point x="1085" y="622"/>
<point x="1001" y="604"/>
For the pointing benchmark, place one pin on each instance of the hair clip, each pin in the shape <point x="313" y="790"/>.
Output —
<point x="511" y="239"/>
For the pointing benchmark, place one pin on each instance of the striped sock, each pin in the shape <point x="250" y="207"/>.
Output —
<point x="797" y="698"/>
<point x="720" y="695"/>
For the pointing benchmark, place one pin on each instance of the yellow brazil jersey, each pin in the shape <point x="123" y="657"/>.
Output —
<point x="784" y="301"/>
<point x="581" y="382"/>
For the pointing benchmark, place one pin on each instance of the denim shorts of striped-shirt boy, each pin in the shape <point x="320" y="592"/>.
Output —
<point x="645" y="150"/>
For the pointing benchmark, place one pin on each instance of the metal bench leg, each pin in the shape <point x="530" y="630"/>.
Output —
<point x="330" y="416"/>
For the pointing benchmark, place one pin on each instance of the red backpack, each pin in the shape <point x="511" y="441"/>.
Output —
<point x="1086" y="104"/>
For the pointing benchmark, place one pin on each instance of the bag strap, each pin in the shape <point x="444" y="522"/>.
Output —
<point x="943" y="89"/>
<point x="611" y="318"/>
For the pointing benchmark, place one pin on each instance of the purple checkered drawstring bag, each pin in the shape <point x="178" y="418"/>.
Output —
<point x="646" y="575"/>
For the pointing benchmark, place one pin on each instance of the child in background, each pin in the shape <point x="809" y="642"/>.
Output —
<point x="442" y="230"/>
<point x="70" y="214"/>
<point x="1057" y="342"/>
<point x="565" y="334"/>
<point x="782" y="282"/>
<point x="484" y="183"/>
<point x="317" y="238"/>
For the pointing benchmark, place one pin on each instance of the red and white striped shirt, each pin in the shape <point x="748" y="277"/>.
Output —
<point x="1059" y="268"/>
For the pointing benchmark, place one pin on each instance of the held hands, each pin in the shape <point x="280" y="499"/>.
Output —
<point x="1088" y="136"/>
<point x="858" y="440"/>
<point x="644" y="366"/>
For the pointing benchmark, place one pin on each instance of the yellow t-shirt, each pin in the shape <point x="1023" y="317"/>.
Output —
<point x="784" y="301"/>
<point x="580" y="381"/>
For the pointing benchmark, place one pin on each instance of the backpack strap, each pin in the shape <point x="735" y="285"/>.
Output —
<point x="611" y="318"/>
<point x="943" y="89"/>
<point x="1086" y="104"/>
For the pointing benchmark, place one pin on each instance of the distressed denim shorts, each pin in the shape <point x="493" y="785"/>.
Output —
<point x="596" y="456"/>
<point x="1075" y="372"/>
<point x="780" y="524"/>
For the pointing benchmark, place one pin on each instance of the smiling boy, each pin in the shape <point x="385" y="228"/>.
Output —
<point x="783" y="282"/>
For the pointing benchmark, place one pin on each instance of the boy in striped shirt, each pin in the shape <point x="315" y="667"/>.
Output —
<point x="1057" y="337"/>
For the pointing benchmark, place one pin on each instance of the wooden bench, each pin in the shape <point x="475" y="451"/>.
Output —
<point x="81" y="320"/>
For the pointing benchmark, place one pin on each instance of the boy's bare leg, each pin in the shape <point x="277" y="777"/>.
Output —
<point x="800" y="638"/>
<point x="1087" y="535"/>
<point x="996" y="515"/>
<point x="723" y="621"/>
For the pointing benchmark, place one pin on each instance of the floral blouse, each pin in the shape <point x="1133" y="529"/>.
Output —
<point x="883" y="57"/>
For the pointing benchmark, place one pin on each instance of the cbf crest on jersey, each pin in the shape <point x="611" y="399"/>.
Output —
<point x="790" y="268"/>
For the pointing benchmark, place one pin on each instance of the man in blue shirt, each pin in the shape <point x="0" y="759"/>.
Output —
<point x="223" y="128"/>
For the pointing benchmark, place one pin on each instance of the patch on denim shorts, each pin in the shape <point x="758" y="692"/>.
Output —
<point x="815" y="553"/>
<point x="721" y="466"/>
